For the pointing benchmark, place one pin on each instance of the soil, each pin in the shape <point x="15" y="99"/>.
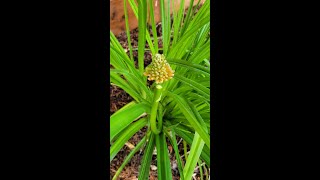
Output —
<point x="119" y="98"/>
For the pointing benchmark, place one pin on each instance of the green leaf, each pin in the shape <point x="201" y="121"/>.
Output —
<point x="174" y="144"/>
<point x="146" y="160"/>
<point x="127" y="28"/>
<point x="205" y="155"/>
<point x="177" y="22"/>
<point x="197" y="86"/>
<point x="125" y="136"/>
<point x="195" y="151"/>
<point x="142" y="25"/>
<point x="190" y="65"/>
<point x="135" y="81"/>
<point x="135" y="9"/>
<point x="165" y="21"/>
<point x="130" y="104"/>
<point x="153" y="24"/>
<point x="163" y="161"/>
<point x="118" y="81"/>
<point x="128" y="158"/>
<point x="187" y="112"/>
<point x="121" y="120"/>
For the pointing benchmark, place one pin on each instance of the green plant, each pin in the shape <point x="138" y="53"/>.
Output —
<point x="178" y="102"/>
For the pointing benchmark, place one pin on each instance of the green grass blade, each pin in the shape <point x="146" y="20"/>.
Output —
<point x="125" y="9"/>
<point x="153" y="25"/>
<point x="200" y="169"/>
<point x="163" y="161"/>
<point x="200" y="54"/>
<point x="138" y="83"/>
<point x="189" y="65"/>
<point x="188" y="137"/>
<point x="197" y="86"/>
<point x="121" y="120"/>
<point x="146" y="160"/>
<point x="198" y="116"/>
<point x="187" y="112"/>
<point x="188" y="17"/>
<point x="135" y="12"/>
<point x="122" y="56"/>
<point x="177" y="22"/>
<point x="174" y="144"/>
<point x="165" y="21"/>
<point x="128" y="158"/>
<point x="142" y="25"/>
<point x="114" y="41"/>
<point x="115" y="61"/>
<point x="125" y="136"/>
<point x="116" y="80"/>
<point x="130" y="104"/>
<point x="180" y="48"/>
<point x="195" y="151"/>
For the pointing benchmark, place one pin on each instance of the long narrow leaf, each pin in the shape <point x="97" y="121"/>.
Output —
<point x="128" y="158"/>
<point x="195" y="151"/>
<point x="125" y="136"/>
<point x="190" y="65"/>
<point x="142" y="25"/>
<point x="191" y="118"/>
<point x="174" y="144"/>
<point x="121" y="120"/>
<point x="146" y="160"/>
<point x="163" y="161"/>
<point x="135" y="12"/>
<point x="205" y="155"/>
<point x="198" y="87"/>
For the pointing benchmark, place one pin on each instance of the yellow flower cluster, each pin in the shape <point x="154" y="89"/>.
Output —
<point x="159" y="70"/>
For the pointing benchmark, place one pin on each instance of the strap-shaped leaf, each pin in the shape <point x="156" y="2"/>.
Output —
<point x="163" y="161"/>
<point x="187" y="112"/>
<point x="195" y="151"/>
<point x="142" y="24"/>
<point x="197" y="86"/>
<point x="134" y="8"/>
<point x="135" y="81"/>
<point x="125" y="136"/>
<point x="128" y="158"/>
<point x="124" y="85"/>
<point x="132" y="103"/>
<point x="146" y="160"/>
<point x="180" y="48"/>
<point x="121" y="120"/>
<point x="189" y="65"/>
<point x="205" y="155"/>
<point x="200" y="54"/>
<point x="174" y="144"/>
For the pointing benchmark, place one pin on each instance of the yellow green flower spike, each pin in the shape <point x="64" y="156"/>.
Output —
<point x="159" y="70"/>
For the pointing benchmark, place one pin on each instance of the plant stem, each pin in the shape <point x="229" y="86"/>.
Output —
<point x="153" y="115"/>
<point x="200" y="169"/>
<point x="185" y="149"/>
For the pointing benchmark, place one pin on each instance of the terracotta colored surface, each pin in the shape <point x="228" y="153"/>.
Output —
<point x="117" y="22"/>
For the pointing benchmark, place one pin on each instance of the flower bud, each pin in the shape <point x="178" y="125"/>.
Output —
<point x="159" y="69"/>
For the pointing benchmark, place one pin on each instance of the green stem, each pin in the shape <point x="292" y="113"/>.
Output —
<point x="206" y="172"/>
<point x="200" y="169"/>
<point x="153" y="115"/>
<point x="185" y="150"/>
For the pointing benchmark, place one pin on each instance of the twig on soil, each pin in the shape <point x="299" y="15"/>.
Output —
<point x="129" y="145"/>
<point x="179" y="141"/>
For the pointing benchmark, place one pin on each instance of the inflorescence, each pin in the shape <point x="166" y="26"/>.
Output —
<point x="159" y="70"/>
